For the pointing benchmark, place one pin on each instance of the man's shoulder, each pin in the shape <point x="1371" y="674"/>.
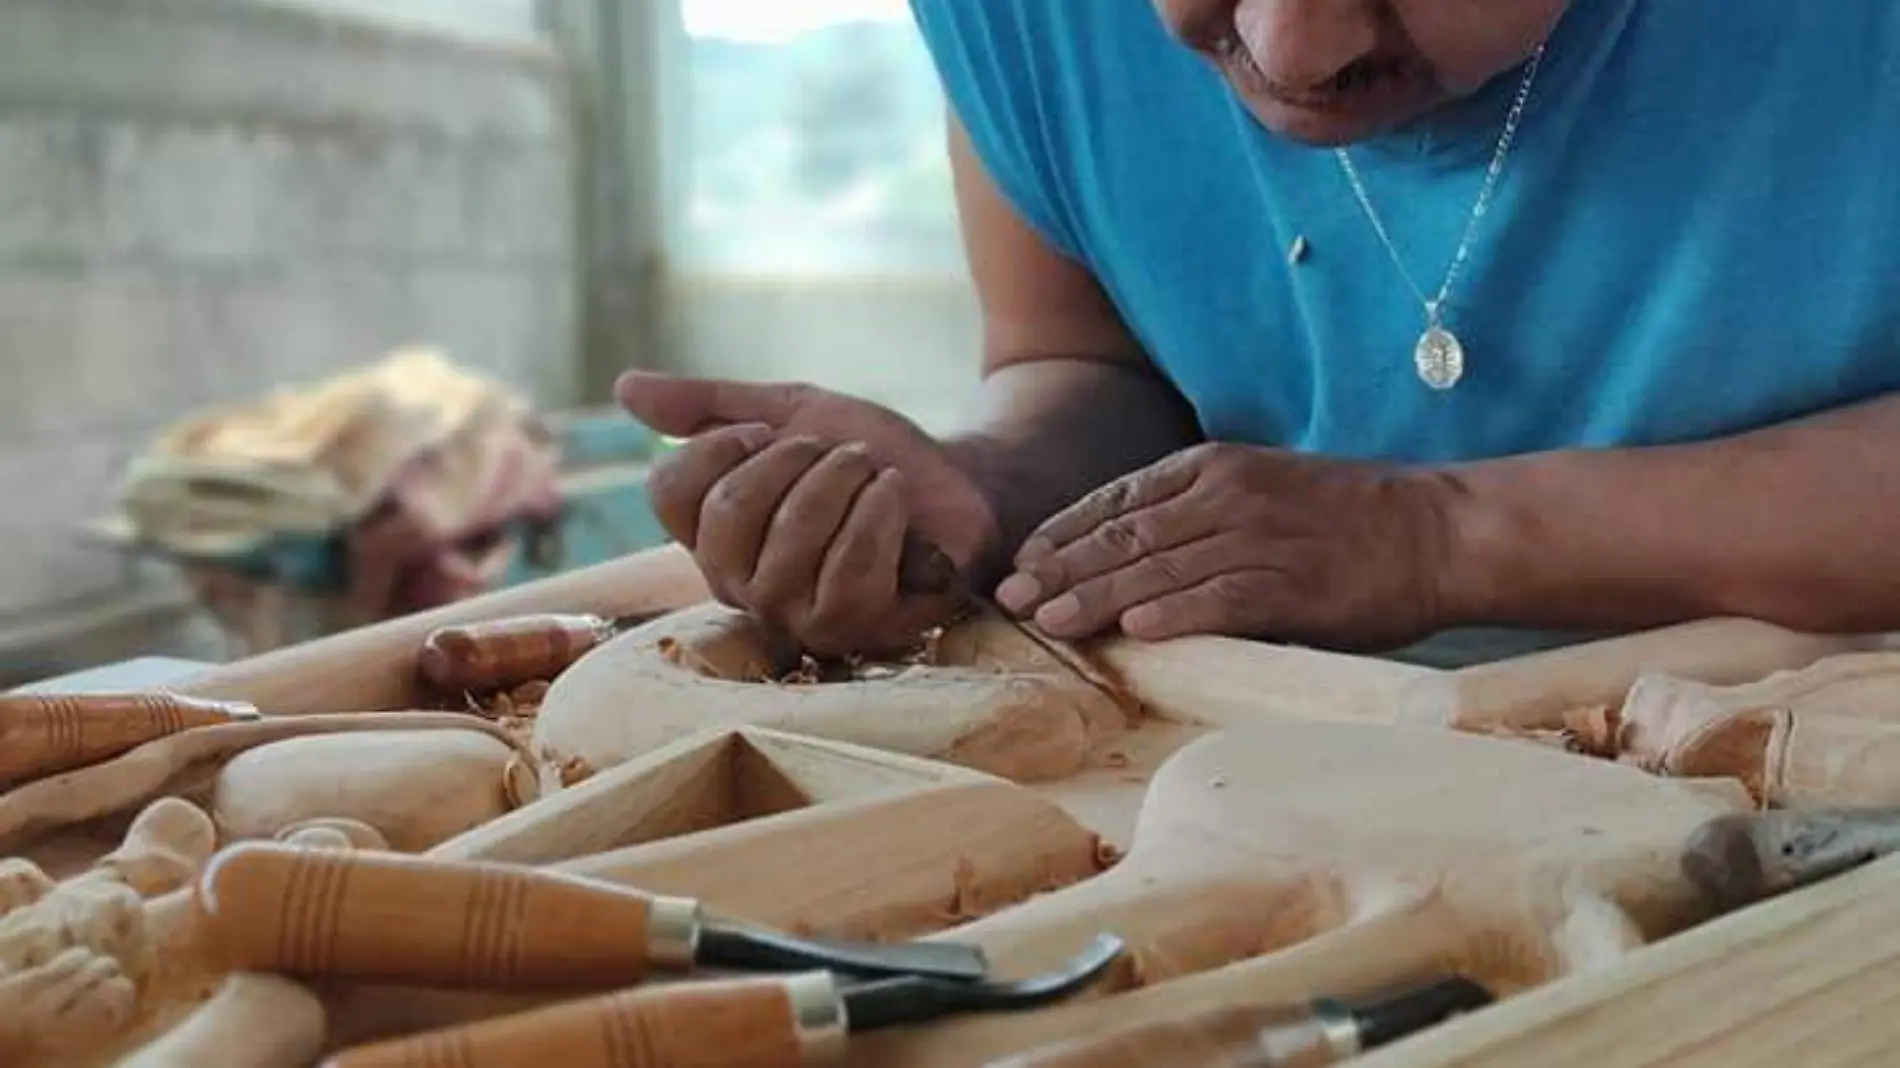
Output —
<point x="1059" y="47"/>
<point x="1040" y="85"/>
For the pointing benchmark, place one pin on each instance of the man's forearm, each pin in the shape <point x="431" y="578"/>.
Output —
<point x="1797" y="524"/>
<point x="1046" y="432"/>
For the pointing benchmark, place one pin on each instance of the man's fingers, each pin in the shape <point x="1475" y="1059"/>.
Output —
<point x="736" y="511"/>
<point x="859" y="575"/>
<point x="1098" y="603"/>
<point x="1233" y="603"/>
<point x="682" y="407"/>
<point x="678" y="484"/>
<point x="1150" y="486"/>
<point x="1113" y="544"/>
<point x="807" y="521"/>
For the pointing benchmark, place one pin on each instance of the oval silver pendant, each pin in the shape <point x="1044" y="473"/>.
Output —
<point x="1440" y="358"/>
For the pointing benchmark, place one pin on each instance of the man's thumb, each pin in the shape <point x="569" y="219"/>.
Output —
<point x="681" y="407"/>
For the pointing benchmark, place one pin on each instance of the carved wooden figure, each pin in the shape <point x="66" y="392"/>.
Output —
<point x="78" y="960"/>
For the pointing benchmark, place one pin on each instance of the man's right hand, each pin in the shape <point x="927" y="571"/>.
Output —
<point x="796" y="503"/>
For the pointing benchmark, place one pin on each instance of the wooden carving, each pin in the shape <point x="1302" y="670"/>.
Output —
<point x="185" y="762"/>
<point x="417" y="789"/>
<point x="987" y="697"/>
<point x="1824" y="736"/>
<point x="1273" y="860"/>
<point x="1513" y="863"/>
<point x="78" y="958"/>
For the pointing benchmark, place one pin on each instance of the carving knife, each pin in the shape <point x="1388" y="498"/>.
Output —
<point x="1322" y="1032"/>
<point x="392" y="918"/>
<point x="926" y="569"/>
<point x="1740" y="859"/>
<point x="779" y="1022"/>
<point x="45" y="734"/>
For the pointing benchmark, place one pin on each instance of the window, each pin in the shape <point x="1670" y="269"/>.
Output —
<point x="809" y="139"/>
<point x="502" y="18"/>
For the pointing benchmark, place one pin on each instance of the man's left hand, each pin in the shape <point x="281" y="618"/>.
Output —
<point x="1245" y="541"/>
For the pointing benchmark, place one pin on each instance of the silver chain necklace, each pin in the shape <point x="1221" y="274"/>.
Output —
<point x="1439" y="356"/>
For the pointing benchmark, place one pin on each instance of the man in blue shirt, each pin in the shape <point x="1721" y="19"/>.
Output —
<point x="1354" y="322"/>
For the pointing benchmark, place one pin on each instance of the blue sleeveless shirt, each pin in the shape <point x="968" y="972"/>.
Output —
<point x="1697" y="230"/>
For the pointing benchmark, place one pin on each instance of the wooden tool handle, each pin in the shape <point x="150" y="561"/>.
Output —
<point x="1740" y="859"/>
<point x="388" y="917"/>
<point x="502" y="653"/>
<point x="43" y="735"/>
<point x="1222" y="1038"/>
<point x="746" y="1023"/>
<point x="925" y="569"/>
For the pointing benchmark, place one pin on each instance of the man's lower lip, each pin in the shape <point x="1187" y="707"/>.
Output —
<point x="1252" y="83"/>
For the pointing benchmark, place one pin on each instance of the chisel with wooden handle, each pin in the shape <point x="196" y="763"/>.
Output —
<point x="393" y="918"/>
<point x="499" y="654"/>
<point x="1738" y="860"/>
<point x="45" y="734"/>
<point x="779" y="1022"/>
<point x="1322" y="1032"/>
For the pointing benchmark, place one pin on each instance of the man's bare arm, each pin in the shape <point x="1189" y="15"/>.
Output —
<point x="1797" y="524"/>
<point x="1068" y="401"/>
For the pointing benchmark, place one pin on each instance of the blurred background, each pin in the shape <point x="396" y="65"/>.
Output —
<point x="310" y="309"/>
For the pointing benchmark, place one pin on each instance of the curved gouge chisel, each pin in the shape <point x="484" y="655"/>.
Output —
<point x="1322" y="1032"/>
<point x="1738" y="860"/>
<point x="45" y="734"/>
<point x="784" y="1022"/>
<point x="391" y="918"/>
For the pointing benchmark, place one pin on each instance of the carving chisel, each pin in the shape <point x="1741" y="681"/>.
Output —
<point x="500" y="654"/>
<point x="1738" y="860"/>
<point x="925" y="569"/>
<point x="780" y="1022"/>
<point x="1322" y="1032"/>
<point x="391" y="918"/>
<point x="45" y="734"/>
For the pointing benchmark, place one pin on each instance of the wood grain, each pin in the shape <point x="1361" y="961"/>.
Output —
<point x="744" y="1023"/>
<point x="383" y="917"/>
<point x="42" y="735"/>
<point x="1540" y="864"/>
<point x="1811" y="979"/>
<point x="472" y="658"/>
<point x="1533" y="692"/>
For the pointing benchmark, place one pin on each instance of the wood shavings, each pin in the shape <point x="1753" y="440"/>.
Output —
<point x="818" y="671"/>
<point x="962" y="905"/>
<point x="1594" y="730"/>
<point x="574" y="770"/>
<point x="519" y="782"/>
<point x="680" y="655"/>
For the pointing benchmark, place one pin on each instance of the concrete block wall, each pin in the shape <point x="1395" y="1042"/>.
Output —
<point x="201" y="200"/>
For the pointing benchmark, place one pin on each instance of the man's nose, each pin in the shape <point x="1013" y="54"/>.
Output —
<point x="1300" y="44"/>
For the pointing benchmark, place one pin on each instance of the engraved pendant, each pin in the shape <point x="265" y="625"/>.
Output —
<point x="1440" y="358"/>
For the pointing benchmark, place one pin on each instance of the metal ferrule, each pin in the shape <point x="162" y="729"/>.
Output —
<point x="1327" y="1036"/>
<point x="1341" y="1030"/>
<point x="673" y="925"/>
<point x="819" y="1015"/>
